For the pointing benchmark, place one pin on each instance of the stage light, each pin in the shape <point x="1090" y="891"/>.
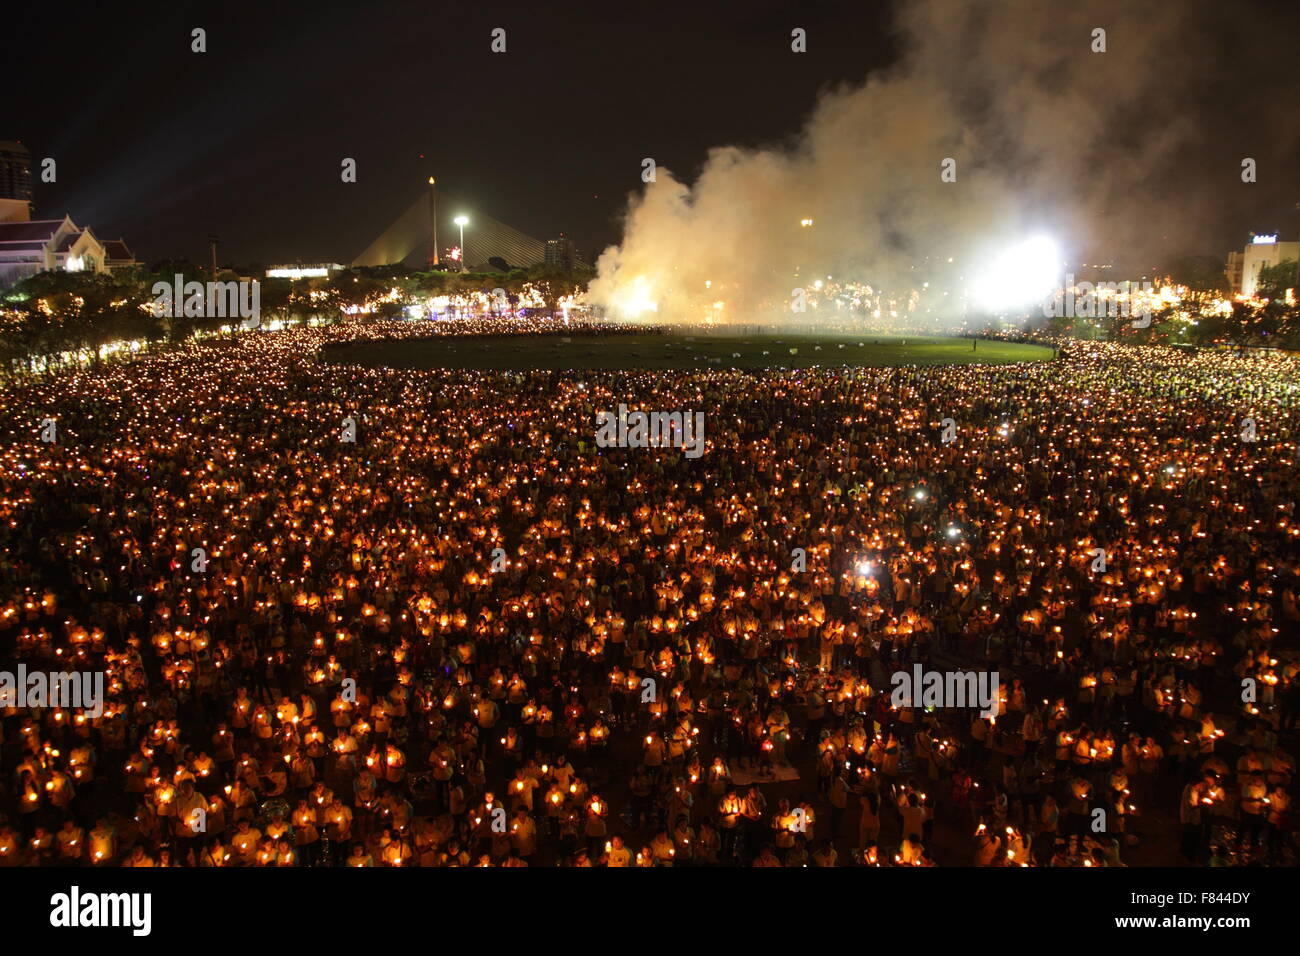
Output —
<point x="1025" y="273"/>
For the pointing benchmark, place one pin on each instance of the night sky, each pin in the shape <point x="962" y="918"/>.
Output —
<point x="162" y="146"/>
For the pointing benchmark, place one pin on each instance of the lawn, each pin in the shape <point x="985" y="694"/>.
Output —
<point x="672" y="351"/>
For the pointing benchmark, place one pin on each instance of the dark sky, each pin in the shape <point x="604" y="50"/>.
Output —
<point x="162" y="146"/>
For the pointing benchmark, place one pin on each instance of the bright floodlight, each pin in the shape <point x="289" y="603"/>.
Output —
<point x="1027" y="272"/>
<point x="864" y="568"/>
<point x="461" y="220"/>
<point x="919" y="495"/>
<point x="635" y="298"/>
<point x="953" y="531"/>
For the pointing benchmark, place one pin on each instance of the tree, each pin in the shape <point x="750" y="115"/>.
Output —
<point x="1273" y="281"/>
<point x="554" y="284"/>
<point x="79" y="312"/>
<point x="278" y="298"/>
<point x="1250" y="322"/>
<point x="1205" y="280"/>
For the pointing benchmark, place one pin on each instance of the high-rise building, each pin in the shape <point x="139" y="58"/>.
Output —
<point x="560" y="253"/>
<point x="15" y="172"/>
<point x="1234" y="270"/>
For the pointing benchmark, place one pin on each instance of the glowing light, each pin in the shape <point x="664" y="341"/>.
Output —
<point x="635" y="298"/>
<point x="1027" y="272"/>
<point x="297" y="272"/>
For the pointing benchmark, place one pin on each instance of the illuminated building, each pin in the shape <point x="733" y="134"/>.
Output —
<point x="43" y="245"/>
<point x="29" y="246"/>
<point x="303" y="271"/>
<point x="1243" y="267"/>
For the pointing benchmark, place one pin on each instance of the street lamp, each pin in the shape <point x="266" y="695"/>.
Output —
<point x="462" y="221"/>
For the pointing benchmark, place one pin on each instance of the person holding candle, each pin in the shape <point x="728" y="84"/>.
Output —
<point x="1279" y="822"/>
<point x="663" y="849"/>
<point x="1193" y="817"/>
<point x="766" y="857"/>
<point x="214" y="853"/>
<point x="138" y="858"/>
<point x="338" y="820"/>
<point x="284" y="854"/>
<point x="523" y="833"/>
<point x="652" y="756"/>
<point x="1019" y="847"/>
<point x="394" y="849"/>
<point x="616" y="854"/>
<point x="102" y="845"/>
<point x="594" y="828"/>
<point x="1254" y="810"/>
<point x="71" y="842"/>
<point x="911" y="851"/>
<point x="676" y="798"/>
<point x="685" y="841"/>
<point x="729" y="817"/>
<point x="359" y="856"/>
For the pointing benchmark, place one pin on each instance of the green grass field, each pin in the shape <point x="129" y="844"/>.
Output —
<point x="670" y="351"/>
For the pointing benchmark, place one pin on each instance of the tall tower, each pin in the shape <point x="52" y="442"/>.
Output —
<point x="433" y="221"/>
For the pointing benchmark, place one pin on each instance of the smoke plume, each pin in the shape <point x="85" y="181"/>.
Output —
<point x="1048" y="136"/>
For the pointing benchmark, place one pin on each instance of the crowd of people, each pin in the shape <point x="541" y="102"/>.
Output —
<point x="366" y="617"/>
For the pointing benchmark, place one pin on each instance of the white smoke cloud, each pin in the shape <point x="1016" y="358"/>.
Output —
<point x="1049" y="137"/>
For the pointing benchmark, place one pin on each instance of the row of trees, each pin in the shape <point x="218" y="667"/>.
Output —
<point x="58" y="317"/>
<point x="1199" y="319"/>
